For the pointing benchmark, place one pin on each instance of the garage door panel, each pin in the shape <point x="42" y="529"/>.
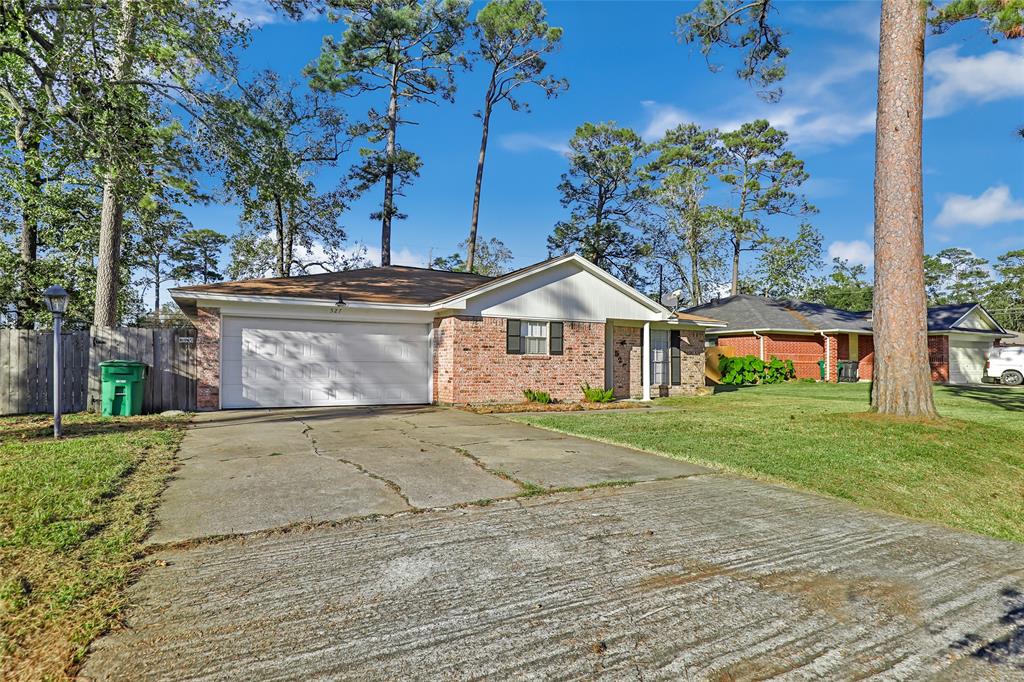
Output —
<point x="967" y="360"/>
<point x="280" y="363"/>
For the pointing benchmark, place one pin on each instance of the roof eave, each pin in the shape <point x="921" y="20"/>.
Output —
<point x="186" y="295"/>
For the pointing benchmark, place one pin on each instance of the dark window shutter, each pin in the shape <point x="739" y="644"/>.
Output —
<point x="674" y="355"/>
<point x="557" y="342"/>
<point x="513" y="337"/>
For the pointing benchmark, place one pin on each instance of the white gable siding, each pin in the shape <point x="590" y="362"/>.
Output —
<point x="565" y="292"/>
<point x="977" y="320"/>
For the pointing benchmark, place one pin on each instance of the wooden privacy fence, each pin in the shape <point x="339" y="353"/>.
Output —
<point x="26" y="367"/>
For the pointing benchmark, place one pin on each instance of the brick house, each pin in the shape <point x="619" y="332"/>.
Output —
<point x="404" y="335"/>
<point x="959" y="336"/>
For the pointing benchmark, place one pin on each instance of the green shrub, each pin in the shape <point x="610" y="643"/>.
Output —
<point x="533" y="396"/>
<point x="596" y="395"/>
<point x="750" y="369"/>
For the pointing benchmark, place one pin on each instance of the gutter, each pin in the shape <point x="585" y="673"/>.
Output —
<point x="761" y="339"/>
<point x="828" y="356"/>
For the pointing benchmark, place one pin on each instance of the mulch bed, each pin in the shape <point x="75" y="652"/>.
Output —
<point x="553" y="407"/>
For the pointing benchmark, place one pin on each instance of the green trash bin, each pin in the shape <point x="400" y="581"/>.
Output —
<point x="122" y="383"/>
<point x="821" y="369"/>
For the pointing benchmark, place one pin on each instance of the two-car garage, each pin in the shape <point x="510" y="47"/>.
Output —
<point x="269" y="362"/>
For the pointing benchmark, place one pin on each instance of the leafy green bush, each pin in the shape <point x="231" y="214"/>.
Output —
<point x="776" y="371"/>
<point x="596" y="395"/>
<point x="533" y="396"/>
<point x="750" y="369"/>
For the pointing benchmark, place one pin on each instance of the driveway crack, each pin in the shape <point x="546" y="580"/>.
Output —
<point x="462" y="452"/>
<point x="307" y="431"/>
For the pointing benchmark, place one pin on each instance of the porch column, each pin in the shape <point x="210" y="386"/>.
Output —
<point x="646" y="360"/>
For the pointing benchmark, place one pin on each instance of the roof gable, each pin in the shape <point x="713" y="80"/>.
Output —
<point x="565" y="289"/>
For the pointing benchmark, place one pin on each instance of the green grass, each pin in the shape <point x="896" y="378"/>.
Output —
<point x="965" y="471"/>
<point x="73" y="514"/>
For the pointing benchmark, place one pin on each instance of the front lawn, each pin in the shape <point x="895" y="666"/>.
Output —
<point x="73" y="514"/>
<point x="966" y="471"/>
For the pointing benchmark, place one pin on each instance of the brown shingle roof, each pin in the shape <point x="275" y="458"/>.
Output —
<point x="695" y="318"/>
<point x="391" y="284"/>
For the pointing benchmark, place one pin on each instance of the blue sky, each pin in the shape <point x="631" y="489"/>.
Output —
<point x="624" y="64"/>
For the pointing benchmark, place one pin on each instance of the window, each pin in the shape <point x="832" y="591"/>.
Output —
<point x="659" y="357"/>
<point x="535" y="337"/>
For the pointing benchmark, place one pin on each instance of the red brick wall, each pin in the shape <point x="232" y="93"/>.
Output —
<point x="844" y="347"/>
<point x="444" y="345"/>
<point x="832" y="366"/>
<point x="627" y="359"/>
<point x="691" y="363"/>
<point x="866" y="351"/>
<point x="482" y="372"/>
<point x="803" y="350"/>
<point x="207" y="323"/>
<point x="938" y="357"/>
<point x="741" y="345"/>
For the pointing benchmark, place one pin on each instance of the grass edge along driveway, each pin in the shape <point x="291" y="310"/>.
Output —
<point x="73" y="514"/>
<point x="965" y="471"/>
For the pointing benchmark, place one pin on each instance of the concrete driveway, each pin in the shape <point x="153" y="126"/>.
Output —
<point x="689" y="574"/>
<point x="246" y="471"/>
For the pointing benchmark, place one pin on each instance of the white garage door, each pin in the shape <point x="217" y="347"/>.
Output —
<point x="967" y="360"/>
<point x="296" y="363"/>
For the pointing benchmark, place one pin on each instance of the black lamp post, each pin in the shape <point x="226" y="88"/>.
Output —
<point x="56" y="302"/>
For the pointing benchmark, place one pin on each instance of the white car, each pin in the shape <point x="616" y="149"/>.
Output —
<point x="1006" y="365"/>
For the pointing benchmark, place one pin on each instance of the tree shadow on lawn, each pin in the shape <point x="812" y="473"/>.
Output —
<point x="998" y="396"/>
<point x="33" y="428"/>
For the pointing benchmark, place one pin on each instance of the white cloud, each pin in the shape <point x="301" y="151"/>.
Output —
<point x="257" y="12"/>
<point x="662" y="118"/>
<point x="956" y="81"/>
<point x="848" y="66"/>
<point x="823" y="109"/>
<point x="857" y="252"/>
<point x="527" y="142"/>
<point x="858" y="18"/>
<point x="813" y="127"/>
<point x="403" y="256"/>
<point x="994" y="205"/>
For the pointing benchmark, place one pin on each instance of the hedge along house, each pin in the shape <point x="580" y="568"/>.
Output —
<point x="404" y="335"/>
<point x="959" y="336"/>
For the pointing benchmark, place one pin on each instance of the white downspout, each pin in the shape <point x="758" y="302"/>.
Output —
<point x="761" y="339"/>
<point x="646" y="359"/>
<point x="828" y="355"/>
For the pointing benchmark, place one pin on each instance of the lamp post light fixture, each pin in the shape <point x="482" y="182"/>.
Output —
<point x="56" y="302"/>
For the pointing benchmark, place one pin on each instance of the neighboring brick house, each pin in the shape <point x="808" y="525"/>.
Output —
<point x="959" y="336"/>
<point x="403" y="335"/>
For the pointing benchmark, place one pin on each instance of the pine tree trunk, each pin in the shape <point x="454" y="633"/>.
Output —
<point x="109" y="264"/>
<point x="282" y="271"/>
<point x="389" y="172"/>
<point x="29" y="241"/>
<point x="30" y="202"/>
<point x="695" y="292"/>
<point x="736" y="245"/>
<point x="157" y="281"/>
<point x="112" y="213"/>
<point x="471" y="242"/>
<point x="902" y="377"/>
<point x="289" y="240"/>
